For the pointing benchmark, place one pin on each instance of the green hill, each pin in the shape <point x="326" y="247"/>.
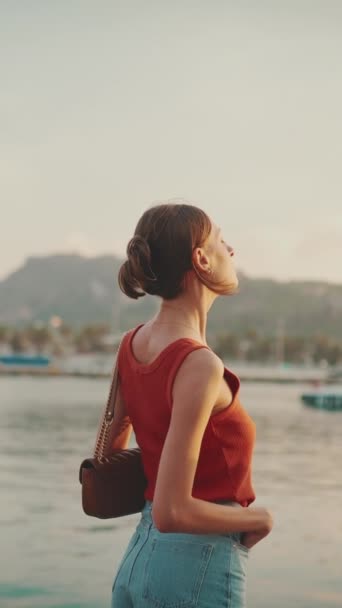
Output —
<point x="85" y="290"/>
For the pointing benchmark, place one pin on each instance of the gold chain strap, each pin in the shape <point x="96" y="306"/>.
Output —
<point x="108" y="417"/>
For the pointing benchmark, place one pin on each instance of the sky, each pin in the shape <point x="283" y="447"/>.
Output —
<point x="108" y="107"/>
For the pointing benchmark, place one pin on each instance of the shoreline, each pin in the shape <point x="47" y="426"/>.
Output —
<point x="244" y="376"/>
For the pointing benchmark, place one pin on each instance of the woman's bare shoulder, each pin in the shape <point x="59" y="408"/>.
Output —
<point x="200" y="367"/>
<point x="204" y="359"/>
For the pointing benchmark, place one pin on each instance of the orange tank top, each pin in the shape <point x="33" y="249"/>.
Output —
<point x="225" y="461"/>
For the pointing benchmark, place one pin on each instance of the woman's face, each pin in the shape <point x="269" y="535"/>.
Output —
<point x="220" y="257"/>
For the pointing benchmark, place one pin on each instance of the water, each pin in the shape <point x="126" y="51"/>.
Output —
<point x="54" y="556"/>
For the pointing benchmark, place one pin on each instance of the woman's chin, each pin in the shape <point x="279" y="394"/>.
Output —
<point x="233" y="286"/>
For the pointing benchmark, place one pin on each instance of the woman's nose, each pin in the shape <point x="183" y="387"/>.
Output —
<point x="231" y="250"/>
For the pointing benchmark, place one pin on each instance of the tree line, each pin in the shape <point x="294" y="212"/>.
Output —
<point x="249" y="345"/>
<point x="256" y="346"/>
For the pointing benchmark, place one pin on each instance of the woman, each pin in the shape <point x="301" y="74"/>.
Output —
<point x="191" y="545"/>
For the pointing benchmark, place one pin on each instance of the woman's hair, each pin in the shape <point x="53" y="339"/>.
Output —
<point x="160" y="253"/>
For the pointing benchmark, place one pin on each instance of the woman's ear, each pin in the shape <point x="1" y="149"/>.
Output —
<point x="200" y="260"/>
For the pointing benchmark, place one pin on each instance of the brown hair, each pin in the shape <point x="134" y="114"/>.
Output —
<point x="160" y="252"/>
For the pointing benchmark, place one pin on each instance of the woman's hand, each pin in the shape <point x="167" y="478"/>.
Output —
<point x="249" y="539"/>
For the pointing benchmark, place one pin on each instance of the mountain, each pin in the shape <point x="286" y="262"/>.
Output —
<point x="84" y="290"/>
<point x="80" y="290"/>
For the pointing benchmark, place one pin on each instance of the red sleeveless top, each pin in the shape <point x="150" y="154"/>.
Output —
<point x="224" y="465"/>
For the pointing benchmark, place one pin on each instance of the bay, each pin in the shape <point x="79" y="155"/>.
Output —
<point x="54" y="556"/>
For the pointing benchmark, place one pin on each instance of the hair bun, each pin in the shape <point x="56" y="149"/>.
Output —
<point x="138" y="245"/>
<point x="139" y="260"/>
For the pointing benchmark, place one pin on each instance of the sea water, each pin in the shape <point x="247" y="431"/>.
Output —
<point x="54" y="556"/>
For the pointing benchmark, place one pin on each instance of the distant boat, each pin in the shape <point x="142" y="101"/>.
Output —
<point x="328" y="400"/>
<point x="22" y="361"/>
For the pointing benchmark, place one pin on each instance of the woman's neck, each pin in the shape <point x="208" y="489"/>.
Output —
<point x="187" y="312"/>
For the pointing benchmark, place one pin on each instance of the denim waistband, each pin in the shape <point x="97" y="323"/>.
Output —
<point x="146" y="516"/>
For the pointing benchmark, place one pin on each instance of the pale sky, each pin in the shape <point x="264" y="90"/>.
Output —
<point x="109" y="106"/>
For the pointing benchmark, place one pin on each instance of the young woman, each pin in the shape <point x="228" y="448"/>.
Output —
<point x="191" y="545"/>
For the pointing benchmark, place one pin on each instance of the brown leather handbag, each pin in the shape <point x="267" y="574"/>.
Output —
<point x="113" y="481"/>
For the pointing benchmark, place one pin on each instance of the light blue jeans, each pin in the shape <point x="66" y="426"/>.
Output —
<point x="179" y="570"/>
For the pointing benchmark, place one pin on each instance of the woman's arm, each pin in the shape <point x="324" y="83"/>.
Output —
<point x="174" y="509"/>
<point x="121" y="429"/>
